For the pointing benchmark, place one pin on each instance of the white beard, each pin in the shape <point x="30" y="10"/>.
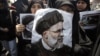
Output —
<point x="59" y="45"/>
<point x="54" y="43"/>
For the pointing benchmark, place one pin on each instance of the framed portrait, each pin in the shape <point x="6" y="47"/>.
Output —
<point x="89" y="19"/>
<point x="27" y="21"/>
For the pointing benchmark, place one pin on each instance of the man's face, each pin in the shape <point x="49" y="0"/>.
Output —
<point x="53" y="37"/>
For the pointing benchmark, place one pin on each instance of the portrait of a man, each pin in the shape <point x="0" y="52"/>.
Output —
<point x="27" y="21"/>
<point x="50" y="27"/>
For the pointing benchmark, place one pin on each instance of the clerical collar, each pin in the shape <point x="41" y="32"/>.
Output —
<point x="46" y="46"/>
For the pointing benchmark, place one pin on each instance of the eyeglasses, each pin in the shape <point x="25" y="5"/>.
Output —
<point x="58" y="31"/>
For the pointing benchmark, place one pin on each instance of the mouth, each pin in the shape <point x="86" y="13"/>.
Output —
<point x="60" y="40"/>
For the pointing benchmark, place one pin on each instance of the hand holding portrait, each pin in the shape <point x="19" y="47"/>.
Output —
<point x="20" y="28"/>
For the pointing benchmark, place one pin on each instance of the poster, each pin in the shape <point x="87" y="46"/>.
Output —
<point x="89" y="19"/>
<point x="27" y="21"/>
<point x="67" y="25"/>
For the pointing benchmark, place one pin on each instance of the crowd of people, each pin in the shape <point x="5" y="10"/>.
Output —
<point x="56" y="28"/>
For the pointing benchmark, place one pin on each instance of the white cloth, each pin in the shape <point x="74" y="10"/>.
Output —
<point x="67" y="25"/>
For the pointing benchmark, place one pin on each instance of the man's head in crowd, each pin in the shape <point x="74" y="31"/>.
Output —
<point x="50" y="26"/>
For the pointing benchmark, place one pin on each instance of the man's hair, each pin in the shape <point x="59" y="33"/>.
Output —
<point x="48" y="20"/>
<point x="27" y="19"/>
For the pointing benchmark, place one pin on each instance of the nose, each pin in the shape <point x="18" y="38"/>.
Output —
<point x="61" y="34"/>
<point x="60" y="37"/>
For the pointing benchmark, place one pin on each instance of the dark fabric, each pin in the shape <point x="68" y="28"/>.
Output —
<point x="38" y="50"/>
<point x="81" y="43"/>
<point x="96" y="49"/>
<point x="84" y="46"/>
<point x="21" y="6"/>
<point x="0" y="48"/>
<point x="75" y="31"/>
<point x="27" y="34"/>
<point x="92" y="32"/>
<point x="51" y="3"/>
<point x="98" y="27"/>
<point x="7" y="22"/>
<point x="22" y="46"/>
<point x="27" y="19"/>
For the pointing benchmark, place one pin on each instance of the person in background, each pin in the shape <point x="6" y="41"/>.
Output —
<point x="79" y="37"/>
<point x="32" y="8"/>
<point x="86" y="43"/>
<point x="65" y="6"/>
<point x="7" y="28"/>
<point x="84" y="5"/>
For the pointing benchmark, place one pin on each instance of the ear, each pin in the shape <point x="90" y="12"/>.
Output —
<point x="45" y="34"/>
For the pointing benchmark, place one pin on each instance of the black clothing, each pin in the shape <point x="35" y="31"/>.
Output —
<point x="96" y="49"/>
<point x="22" y="46"/>
<point x="83" y="47"/>
<point x="7" y="21"/>
<point x="0" y="48"/>
<point x="51" y="3"/>
<point x="80" y="42"/>
<point x="37" y="49"/>
<point x="21" y="6"/>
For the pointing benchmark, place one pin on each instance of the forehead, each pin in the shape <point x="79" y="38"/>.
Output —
<point x="57" y="26"/>
<point x="65" y="5"/>
<point x="36" y="3"/>
<point x="81" y="1"/>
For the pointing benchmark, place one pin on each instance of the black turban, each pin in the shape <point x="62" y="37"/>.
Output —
<point x="48" y="20"/>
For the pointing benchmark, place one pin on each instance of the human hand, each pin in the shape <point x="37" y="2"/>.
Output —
<point x="4" y="29"/>
<point x="20" y="28"/>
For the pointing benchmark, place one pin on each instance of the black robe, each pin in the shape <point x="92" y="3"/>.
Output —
<point x="38" y="50"/>
<point x="7" y="20"/>
<point x="96" y="49"/>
